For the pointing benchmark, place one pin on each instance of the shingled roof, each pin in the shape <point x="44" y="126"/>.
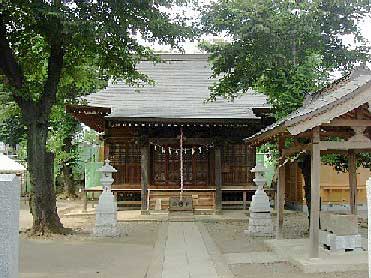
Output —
<point x="338" y="98"/>
<point x="181" y="87"/>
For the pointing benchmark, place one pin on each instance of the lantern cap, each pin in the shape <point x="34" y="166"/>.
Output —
<point x="107" y="167"/>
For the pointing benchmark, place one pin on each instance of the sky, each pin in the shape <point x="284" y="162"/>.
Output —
<point x="191" y="47"/>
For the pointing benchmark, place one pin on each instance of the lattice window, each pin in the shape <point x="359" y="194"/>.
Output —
<point x="166" y="167"/>
<point x="235" y="164"/>
<point x="126" y="159"/>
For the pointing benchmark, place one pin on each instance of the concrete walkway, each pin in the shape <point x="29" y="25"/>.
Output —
<point x="186" y="255"/>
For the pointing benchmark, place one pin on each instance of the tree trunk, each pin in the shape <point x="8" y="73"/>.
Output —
<point x="68" y="182"/>
<point x="40" y="163"/>
<point x="305" y="167"/>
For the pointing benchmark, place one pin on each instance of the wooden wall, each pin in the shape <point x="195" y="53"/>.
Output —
<point x="334" y="185"/>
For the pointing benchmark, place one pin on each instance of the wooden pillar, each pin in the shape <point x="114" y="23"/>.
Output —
<point x="244" y="200"/>
<point x="280" y="202"/>
<point x="85" y="200"/>
<point x="218" y="180"/>
<point x="352" y="169"/>
<point x="144" y="162"/>
<point x="315" y="194"/>
<point x="251" y="162"/>
<point x="106" y="150"/>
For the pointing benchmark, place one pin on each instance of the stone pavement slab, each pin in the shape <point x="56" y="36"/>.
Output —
<point x="186" y="254"/>
<point x="253" y="258"/>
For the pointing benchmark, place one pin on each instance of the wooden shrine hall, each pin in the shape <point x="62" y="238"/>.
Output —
<point x="336" y="119"/>
<point x="153" y="131"/>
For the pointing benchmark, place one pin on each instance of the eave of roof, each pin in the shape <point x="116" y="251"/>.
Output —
<point x="345" y="89"/>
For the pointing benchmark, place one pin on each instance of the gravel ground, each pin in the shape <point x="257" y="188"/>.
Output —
<point x="230" y="238"/>
<point x="82" y="229"/>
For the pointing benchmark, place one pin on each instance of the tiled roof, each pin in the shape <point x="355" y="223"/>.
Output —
<point x="181" y="87"/>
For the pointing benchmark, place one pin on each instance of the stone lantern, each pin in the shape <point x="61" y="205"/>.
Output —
<point x="106" y="211"/>
<point x="260" y="221"/>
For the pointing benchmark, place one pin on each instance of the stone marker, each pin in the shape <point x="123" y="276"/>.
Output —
<point x="106" y="211"/>
<point x="368" y="190"/>
<point x="181" y="204"/>
<point x="339" y="224"/>
<point x="9" y="216"/>
<point x="339" y="232"/>
<point x="260" y="220"/>
<point x="158" y="204"/>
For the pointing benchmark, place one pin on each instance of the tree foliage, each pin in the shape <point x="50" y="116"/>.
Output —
<point x="285" y="49"/>
<point x="53" y="50"/>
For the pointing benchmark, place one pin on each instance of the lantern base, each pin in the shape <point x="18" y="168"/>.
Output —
<point x="260" y="224"/>
<point x="106" y="216"/>
<point x="260" y="220"/>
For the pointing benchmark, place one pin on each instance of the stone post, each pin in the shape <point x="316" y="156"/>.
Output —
<point x="9" y="216"/>
<point x="106" y="211"/>
<point x="368" y="190"/>
<point x="260" y="221"/>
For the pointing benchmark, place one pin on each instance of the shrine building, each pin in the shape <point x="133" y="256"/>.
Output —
<point x="167" y="138"/>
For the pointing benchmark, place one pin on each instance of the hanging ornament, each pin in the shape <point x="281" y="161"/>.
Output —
<point x="155" y="148"/>
<point x="200" y="149"/>
<point x="169" y="150"/>
<point x="193" y="151"/>
<point x="163" y="150"/>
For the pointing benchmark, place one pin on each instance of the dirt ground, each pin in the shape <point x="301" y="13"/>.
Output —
<point x="135" y="246"/>
<point x="230" y="238"/>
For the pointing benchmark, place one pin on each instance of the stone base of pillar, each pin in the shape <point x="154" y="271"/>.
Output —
<point x="106" y="216"/>
<point x="218" y="211"/>
<point x="336" y="243"/>
<point x="144" y="212"/>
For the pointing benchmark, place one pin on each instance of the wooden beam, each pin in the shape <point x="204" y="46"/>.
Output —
<point x="144" y="177"/>
<point x="315" y="194"/>
<point x="218" y="180"/>
<point x="324" y="134"/>
<point x="352" y="170"/>
<point x="345" y="145"/>
<point x="190" y="141"/>
<point x="296" y="149"/>
<point x="350" y="123"/>
<point x="280" y="192"/>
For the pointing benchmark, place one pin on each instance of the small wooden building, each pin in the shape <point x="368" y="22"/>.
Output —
<point x="336" y="119"/>
<point x="143" y="128"/>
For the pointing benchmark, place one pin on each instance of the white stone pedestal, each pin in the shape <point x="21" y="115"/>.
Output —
<point x="260" y="220"/>
<point x="9" y="225"/>
<point x="106" y="216"/>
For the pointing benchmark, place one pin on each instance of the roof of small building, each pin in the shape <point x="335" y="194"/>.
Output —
<point x="182" y="86"/>
<point x="338" y="98"/>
